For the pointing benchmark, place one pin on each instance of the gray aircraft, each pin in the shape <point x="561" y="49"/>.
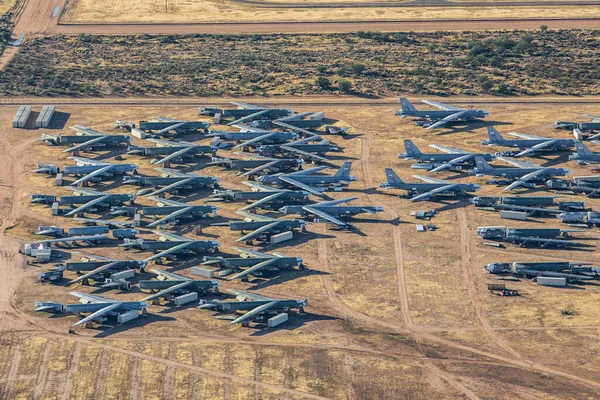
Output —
<point x="589" y="187"/>
<point x="583" y="155"/>
<point x="523" y="174"/>
<point x="528" y="144"/>
<point x="175" y="210"/>
<point x="254" y="262"/>
<point x="52" y="275"/>
<point x="92" y="199"/>
<point x="111" y="223"/>
<point x="252" y="137"/>
<point x="86" y="139"/>
<point x="245" y="112"/>
<point x="93" y="170"/>
<point x="170" y="245"/>
<point x="433" y="119"/>
<point x="298" y="123"/>
<point x="170" y="285"/>
<point x="261" y="227"/>
<point x="172" y="181"/>
<point x="425" y="191"/>
<point x="173" y="151"/>
<point x="301" y="148"/>
<point x="593" y="125"/>
<point x="451" y="159"/>
<point x="308" y="181"/>
<point x="258" y="165"/>
<point x="560" y="269"/>
<point x="90" y="240"/>
<point x="97" y="306"/>
<point x="529" y="237"/>
<point x="264" y="196"/>
<point x="161" y="126"/>
<point x="331" y="211"/>
<point x="257" y="306"/>
<point x="107" y="271"/>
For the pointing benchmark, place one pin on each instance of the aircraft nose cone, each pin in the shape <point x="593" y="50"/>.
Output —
<point x="283" y="209"/>
<point x="478" y="187"/>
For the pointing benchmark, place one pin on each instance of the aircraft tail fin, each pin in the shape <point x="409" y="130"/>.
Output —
<point x="495" y="136"/>
<point x="482" y="165"/>
<point x="407" y="107"/>
<point x="411" y="149"/>
<point x="344" y="171"/>
<point x="582" y="149"/>
<point x="392" y="178"/>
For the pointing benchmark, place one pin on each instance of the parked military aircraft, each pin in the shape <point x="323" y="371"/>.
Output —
<point x="591" y="188"/>
<point x="262" y="227"/>
<point x="306" y="180"/>
<point x="528" y="143"/>
<point x="170" y="244"/>
<point x="265" y="196"/>
<point x="255" y="262"/>
<point x="172" y="181"/>
<point x="258" y="165"/>
<point x="452" y="159"/>
<point x="529" y="237"/>
<point x="302" y="148"/>
<point x="91" y="170"/>
<point x="583" y="155"/>
<point x="432" y="187"/>
<point x="523" y="174"/>
<point x="253" y="137"/>
<point x="169" y="285"/>
<point x="90" y="198"/>
<point x="437" y="118"/>
<point x="111" y="223"/>
<point x="90" y="240"/>
<point x="174" y="210"/>
<point x="245" y="112"/>
<point x="99" y="268"/>
<point x="86" y="139"/>
<point x="298" y="123"/>
<point x="331" y="211"/>
<point x="257" y="306"/>
<point x="163" y="125"/>
<point x="560" y="269"/>
<point x="175" y="151"/>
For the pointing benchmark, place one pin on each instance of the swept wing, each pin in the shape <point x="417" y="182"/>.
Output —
<point x="85" y="144"/>
<point x="427" y="195"/>
<point x="524" y="179"/>
<point x="447" y="119"/>
<point x="442" y="106"/>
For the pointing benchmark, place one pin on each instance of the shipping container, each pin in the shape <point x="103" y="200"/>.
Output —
<point x="551" y="281"/>
<point x="128" y="316"/>
<point x="204" y="272"/>
<point x="277" y="320"/>
<point x="516" y="215"/>
<point x="186" y="298"/>
<point x="282" y="237"/>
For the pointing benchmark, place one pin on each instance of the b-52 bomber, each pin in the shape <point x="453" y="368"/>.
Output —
<point x="433" y="119"/>
<point x="175" y="210"/>
<point x="245" y="112"/>
<point x="257" y="165"/>
<point x="528" y="144"/>
<point x="86" y="139"/>
<point x="560" y="269"/>
<point x="262" y="227"/>
<point x="583" y="155"/>
<point x="257" y="306"/>
<point x="174" y="151"/>
<point x="170" y="245"/>
<point x="168" y="285"/>
<point x="298" y="123"/>
<point x="451" y="159"/>
<point x="254" y="262"/>
<point x="105" y="270"/>
<point x="425" y="191"/>
<point x="172" y="181"/>
<point x="91" y="199"/>
<point x="250" y="137"/>
<point x="161" y="126"/>
<point x="93" y="170"/>
<point x="266" y="197"/>
<point x="97" y="306"/>
<point x="523" y="174"/>
<point x="331" y="211"/>
<point x="530" y="237"/>
<point x="308" y="181"/>
<point x="301" y="148"/>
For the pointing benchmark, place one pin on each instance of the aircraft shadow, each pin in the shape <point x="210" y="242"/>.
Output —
<point x="299" y="238"/>
<point x="284" y="276"/>
<point x="143" y="320"/>
<point x="296" y="321"/>
<point x="59" y="120"/>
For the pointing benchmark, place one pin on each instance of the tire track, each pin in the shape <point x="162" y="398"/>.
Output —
<point x="66" y="393"/>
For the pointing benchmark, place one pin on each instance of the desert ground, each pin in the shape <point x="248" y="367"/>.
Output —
<point x="392" y="313"/>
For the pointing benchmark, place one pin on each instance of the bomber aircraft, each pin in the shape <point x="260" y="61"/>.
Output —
<point x="528" y="144"/>
<point x="86" y="139"/>
<point x="170" y="245"/>
<point x="302" y="148"/>
<point x="169" y="284"/>
<point x="174" y="151"/>
<point x="436" y="118"/>
<point x="258" y="165"/>
<point x="245" y="112"/>
<point x="261" y="226"/>
<point x="266" y="197"/>
<point x="174" y="210"/>
<point x="90" y="198"/>
<point x="583" y="155"/>
<point x="172" y="181"/>
<point x="452" y="159"/>
<point x="92" y="170"/>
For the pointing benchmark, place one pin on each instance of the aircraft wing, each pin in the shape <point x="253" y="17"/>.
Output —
<point x="171" y="236"/>
<point x="174" y="214"/>
<point x="90" y="298"/>
<point x="258" y="231"/>
<point x="441" y="106"/>
<point x="308" y="171"/>
<point x="173" y="155"/>
<point x="168" y="202"/>
<point x="172" y="172"/>
<point x="517" y="163"/>
<point x="85" y="130"/>
<point x="85" y="144"/>
<point x="325" y="216"/>
<point x="255" y="311"/>
<point x="429" y="179"/>
<point x="524" y="179"/>
<point x="450" y="163"/>
<point x="167" y="290"/>
<point x="249" y="117"/>
<point x="448" y="150"/>
<point x="525" y="136"/>
<point x="249" y="296"/>
<point x="255" y="140"/>
<point x="301" y="185"/>
<point x="292" y="127"/>
<point x="595" y="118"/>
<point x="447" y="119"/>
<point x="95" y="271"/>
<point x="537" y="147"/>
<point x="427" y="195"/>
<point x="168" y="128"/>
<point x="87" y="161"/>
<point x="262" y="201"/>
<point x="169" y="275"/>
<point x="261" y="188"/>
<point x="172" y="186"/>
<point x="252" y="253"/>
<point x="168" y="251"/>
<point x="89" y="176"/>
<point x="336" y="202"/>
<point x="304" y="153"/>
<point x="88" y="205"/>
<point x="259" y="168"/>
<point x="255" y="217"/>
<point x="246" y="106"/>
<point x="98" y="313"/>
<point x="254" y="268"/>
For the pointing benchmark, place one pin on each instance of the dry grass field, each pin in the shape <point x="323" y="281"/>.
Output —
<point x="6" y="6"/>
<point x="211" y="11"/>
<point x="392" y="313"/>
